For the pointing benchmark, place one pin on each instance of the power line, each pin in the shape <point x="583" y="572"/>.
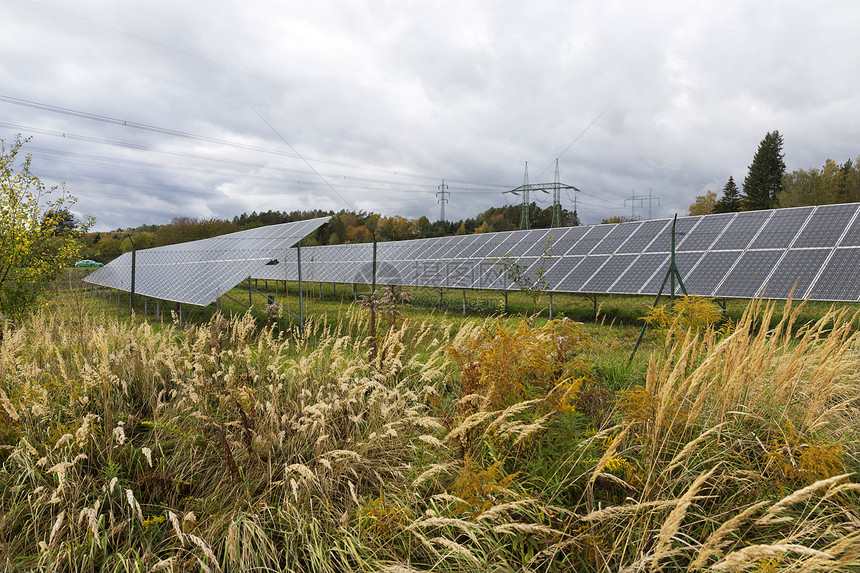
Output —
<point x="237" y="70"/>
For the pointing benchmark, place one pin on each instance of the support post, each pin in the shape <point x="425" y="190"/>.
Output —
<point x="131" y="296"/>
<point x="440" y="297"/>
<point x="301" y="298"/>
<point x="506" y="302"/>
<point x="354" y="293"/>
<point x="180" y="314"/>
<point x="158" y="309"/>
<point x="250" y="295"/>
<point x="550" y="306"/>
<point x="672" y="272"/>
<point x="373" y="285"/>
<point x="464" y="302"/>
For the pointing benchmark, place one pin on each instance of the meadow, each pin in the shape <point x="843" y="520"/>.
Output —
<point x="401" y="438"/>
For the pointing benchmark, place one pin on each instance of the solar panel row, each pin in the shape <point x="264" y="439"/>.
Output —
<point x="732" y="255"/>
<point x="755" y="253"/>
<point x="198" y="272"/>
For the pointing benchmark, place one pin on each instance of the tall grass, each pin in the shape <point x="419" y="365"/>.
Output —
<point x="232" y="446"/>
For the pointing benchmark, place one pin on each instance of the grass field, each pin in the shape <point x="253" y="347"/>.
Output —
<point x="412" y="438"/>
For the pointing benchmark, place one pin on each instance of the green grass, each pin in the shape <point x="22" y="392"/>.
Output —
<point x="485" y="443"/>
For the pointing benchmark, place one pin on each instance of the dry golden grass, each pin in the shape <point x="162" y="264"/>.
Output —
<point x="230" y="446"/>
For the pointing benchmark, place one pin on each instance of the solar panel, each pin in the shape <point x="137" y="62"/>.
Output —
<point x="748" y="274"/>
<point x="616" y="237"/>
<point x="579" y="276"/>
<point x="644" y="235"/>
<point x="685" y="228"/>
<point x="608" y="273"/>
<point x="781" y="229"/>
<point x="840" y="277"/>
<point x="826" y="226"/>
<point x="708" y="272"/>
<point x="595" y="234"/>
<point x="640" y="272"/>
<point x="727" y="255"/>
<point x="198" y="272"/>
<point x="559" y="269"/>
<point x="742" y="229"/>
<point x="797" y="267"/>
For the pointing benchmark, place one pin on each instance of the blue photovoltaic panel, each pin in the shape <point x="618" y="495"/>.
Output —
<point x="462" y="248"/>
<point x="636" y="277"/>
<point x="527" y="241"/>
<point x="493" y="241"/>
<point x="781" y="229"/>
<point x="470" y="249"/>
<point x="731" y="255"/>
<point x="684" y="226"/>
<point x="616" y="237"/>
<point x="595" y="234"/>
<point x="577" y="278"/>
<point x="542" y="241"/>
<point x="748" y="275"/>
<point x="840" y="278"/>
<point x="852" y="234"/>
<point x="198" y="272"/>
<point x="609" y="273"/>
<point x="741" y="230"/>
<point x="705" y="234"/>
<point x="644" y="235"/>
<point x="560" y="269"/>
<point x="506" y="247"/>
<point x="685" y="263"/>
<point x="568" y="242"/>
<point x="709" y="272"/>
<point x="826" y="225"/>
<point x="799" y="267"/>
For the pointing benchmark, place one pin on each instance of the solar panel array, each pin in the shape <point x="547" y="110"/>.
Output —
<point x="733" y="255"/>
<point x="198" y="272"/>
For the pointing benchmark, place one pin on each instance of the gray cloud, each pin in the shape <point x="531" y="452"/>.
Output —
<point x="384" y="99"/>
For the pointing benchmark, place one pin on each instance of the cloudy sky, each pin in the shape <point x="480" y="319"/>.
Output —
<point x="156" y="109"/>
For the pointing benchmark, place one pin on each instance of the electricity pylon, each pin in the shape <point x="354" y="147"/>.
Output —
<point x="443" y="190"/>
<point x="525" y="189"/>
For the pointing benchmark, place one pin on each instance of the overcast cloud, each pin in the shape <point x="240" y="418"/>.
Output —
<point x="235" y="106"/>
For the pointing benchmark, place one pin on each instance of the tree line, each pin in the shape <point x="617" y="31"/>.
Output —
<point x="345" y="227"/>
<point x="768" y="186"/>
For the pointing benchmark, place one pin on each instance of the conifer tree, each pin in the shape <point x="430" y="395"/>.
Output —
<point x="730" y="202"/>
<point x="764" y="180"/>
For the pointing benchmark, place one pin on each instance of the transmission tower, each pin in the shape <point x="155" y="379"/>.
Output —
<point x="527" y="187"/>
<point x="556" y="198"/>
<point x="443" y="190"/>
<point x="641" y="198"/>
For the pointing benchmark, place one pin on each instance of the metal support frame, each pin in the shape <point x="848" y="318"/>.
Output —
<point x="550" y="306"/>
<point x="671" y="274"/>
<point x="133" y="265"/>
<point x="301" y="299"/>
<point x="373" y="284"/>
<point x="464" y="302"/>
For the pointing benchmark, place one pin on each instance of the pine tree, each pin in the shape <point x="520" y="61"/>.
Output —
<point x="764" y="180"/>
<point x="730" y="202"/>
